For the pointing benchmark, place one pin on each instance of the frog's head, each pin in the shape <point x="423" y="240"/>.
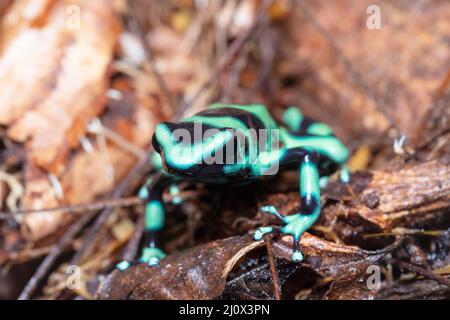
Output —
<point x="190" y="149"/>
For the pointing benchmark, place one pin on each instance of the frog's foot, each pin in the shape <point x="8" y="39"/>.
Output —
<point x="295" y="226"/>
<point x="323" y="181"/>
<point x="152" y="256"/>
<point x="274" y="212"/>
<point x="344" y="175"/>
<point x="124" y="265"/>
<point x="262" y="231"/>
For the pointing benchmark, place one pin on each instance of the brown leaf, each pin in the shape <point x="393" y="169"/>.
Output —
<point x="256" y="282"/>
<point x="197" y="273"/>
<point x="67" y="87"/>
<point x="90" y="173"/>
<point x="54" y="80"/>
<point x="350" y="290"/>
<point x="341" y="262"/>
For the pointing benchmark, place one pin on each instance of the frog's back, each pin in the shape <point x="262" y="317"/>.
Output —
<point x="235" y="116"/>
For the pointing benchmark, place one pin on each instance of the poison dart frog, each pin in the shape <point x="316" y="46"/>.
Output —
<point x="231" y="143"/>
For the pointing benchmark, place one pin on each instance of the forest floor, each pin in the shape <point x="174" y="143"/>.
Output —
<point x="84" y="83"/>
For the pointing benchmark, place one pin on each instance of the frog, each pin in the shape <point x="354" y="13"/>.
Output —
<point x="238" y="144"/>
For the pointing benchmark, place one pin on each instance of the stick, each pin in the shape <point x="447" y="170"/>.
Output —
<point x="419" y="270"/>
<point x="112" y="203"/>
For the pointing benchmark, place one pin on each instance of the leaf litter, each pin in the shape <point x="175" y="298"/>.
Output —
<point x="77" y="109"/>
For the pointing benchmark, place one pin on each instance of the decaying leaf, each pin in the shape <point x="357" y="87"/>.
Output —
<point x="341" y="262"/>
<point x="200" y="272"/>
<point x="53" y="71"/>
<point x="255" y="280"/>
<point x="197" y="273"/>
<point x="74" y="67"/>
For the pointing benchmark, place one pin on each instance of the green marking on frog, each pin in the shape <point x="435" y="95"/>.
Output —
<point x="154" y="215"/>
<point x="293" y="118"/>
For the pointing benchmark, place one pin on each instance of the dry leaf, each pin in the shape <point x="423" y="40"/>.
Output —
<point x="60" y="71"/>
<point x="341" y="262"/>
<point x="197" y="273"/>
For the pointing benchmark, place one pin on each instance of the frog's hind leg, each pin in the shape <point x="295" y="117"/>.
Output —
<point x="154" y="221"/>
<point x="296" y="224"/>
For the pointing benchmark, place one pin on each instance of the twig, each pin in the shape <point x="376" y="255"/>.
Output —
<point x="273" y="269"/>
<point x="404" y="232"/>
<point x="445" y="83"/>
<point x="137" y="29"/>
<point x="225" y="60"/>
<point x="419" y="270"/>
<point x="133" y="244"/>
<point x="56" y="250"/>
<point x="235" y="75"/>
<point x="96" y="127"/>
<point x="112" y="203"/>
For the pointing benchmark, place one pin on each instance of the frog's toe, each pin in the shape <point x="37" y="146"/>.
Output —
<point x="297" y="256"/>
<point x="273" y="211"/>
<point x="261" y="232"/>
<point x="153" y="261"/>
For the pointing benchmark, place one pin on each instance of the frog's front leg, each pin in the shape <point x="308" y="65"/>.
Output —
<point x="154" y="220"/>
<point x="296" y="224"/>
